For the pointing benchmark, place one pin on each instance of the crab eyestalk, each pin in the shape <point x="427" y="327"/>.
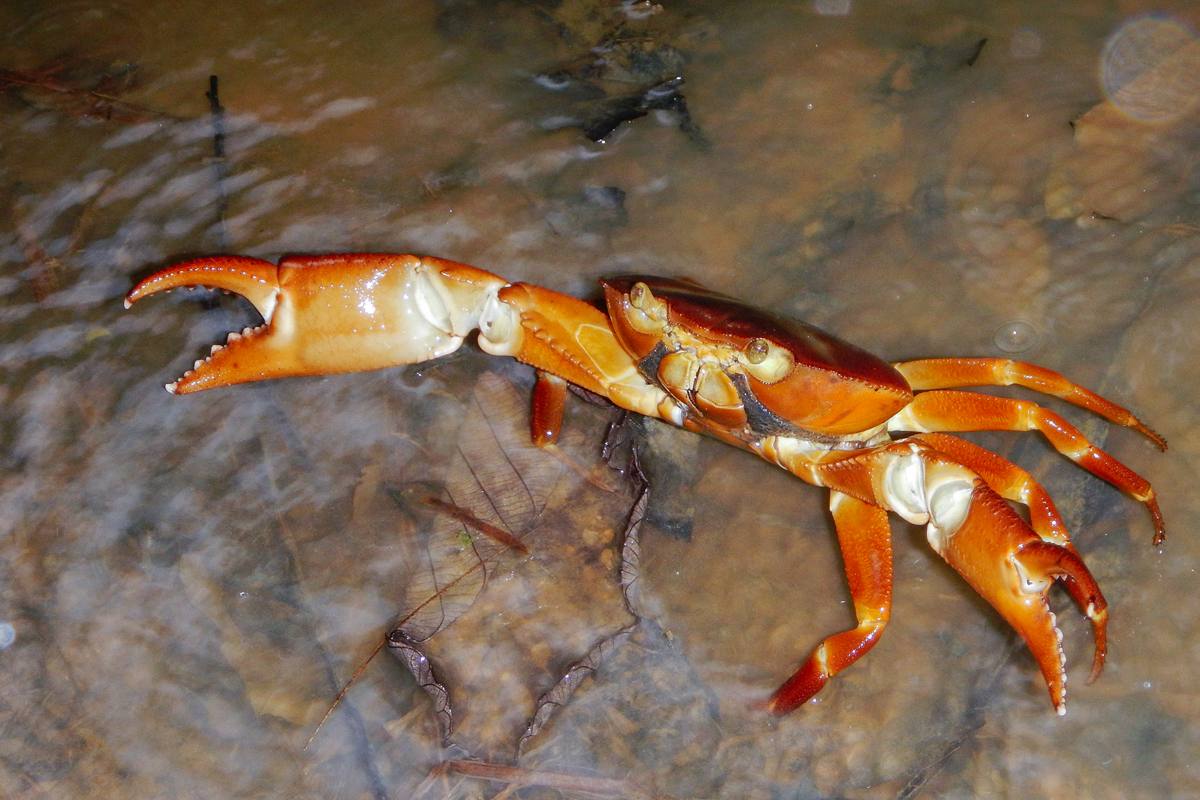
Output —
<point x="330" y="314"/>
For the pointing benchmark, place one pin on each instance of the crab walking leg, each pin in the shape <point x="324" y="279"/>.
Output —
<point x="949" y="373"/>
<point x="966" y="411"/>
<point x="329" y="314"/>
<point x="973" y="529"/>
<point x="549" y="404"/>
<point x="865" y="537"/>
<point x="1006" y="479"/>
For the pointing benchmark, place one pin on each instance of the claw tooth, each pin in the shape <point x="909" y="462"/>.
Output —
<point x="172" y="386"/>
<point x="199" y="363"/>
<point x="233" y="337"/>
<point x="212" y="351"/>
<point x="246" y="331"/>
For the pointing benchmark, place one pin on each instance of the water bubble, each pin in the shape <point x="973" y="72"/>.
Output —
<point x="832" y="8"/>
<point x="1016" y="336"/>
<point x="8" y="635"/>
<point x="1025" y="43"/>
<point x="1150" y="69"/>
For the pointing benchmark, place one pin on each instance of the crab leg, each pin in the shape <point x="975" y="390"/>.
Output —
<point x="353" y="312"/>
<point x="572" y="340"/>
<point x="549" y="403"/>
<point x="865" y="537"/>
<point x="973" y="529"/>
<point x="949" y="373"/>
<point x="966" y="411"/>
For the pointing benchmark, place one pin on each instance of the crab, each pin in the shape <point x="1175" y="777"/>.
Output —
<point x="873" y="433"/>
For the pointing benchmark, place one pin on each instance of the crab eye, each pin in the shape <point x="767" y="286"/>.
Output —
<point x="757" y="351"/>
<point x="637" y="295"/>
<point x="767" y="361"/>
<point x="645" y="313"/>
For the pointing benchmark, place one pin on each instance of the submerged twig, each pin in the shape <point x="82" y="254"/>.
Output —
<point x="221" y="165"/>
<point x="972" y="722"/>
<point x="337" y="700"/>
<point x="520" y="777"/>
<point x="75" y="97"/>
<point x="465" y="516"/>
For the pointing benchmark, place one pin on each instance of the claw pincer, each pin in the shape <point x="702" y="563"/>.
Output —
<point x="329" y="314"/>
<point x="834" y="415"/>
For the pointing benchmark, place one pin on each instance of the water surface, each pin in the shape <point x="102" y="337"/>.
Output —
<point x="188" y="582"/>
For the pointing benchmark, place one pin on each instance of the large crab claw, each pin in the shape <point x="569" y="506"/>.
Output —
<point x="1013" y="569"/>
<point x="327" y="314"/>
<point x="968" y="524"/>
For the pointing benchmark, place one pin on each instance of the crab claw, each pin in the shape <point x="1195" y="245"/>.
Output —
<point x="328" y="314"/>
<point x="1013" y="569"/>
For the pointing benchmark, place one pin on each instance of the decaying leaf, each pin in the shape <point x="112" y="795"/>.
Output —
<point x="520" y="620"/>
<point x="78" y="87"/>
<point x="411" y="656"/>
<point x="282" y="682"/>
<point x="631" y="551"/>
<point x="498" y="477"/>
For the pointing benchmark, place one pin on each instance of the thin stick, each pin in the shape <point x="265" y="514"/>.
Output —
<point x="361" y="668"/>
<point x="222" y="166"/>
<point x="564" y="782"/>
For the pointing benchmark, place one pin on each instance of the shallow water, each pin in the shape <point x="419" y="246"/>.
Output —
<point x="187" y="582"/>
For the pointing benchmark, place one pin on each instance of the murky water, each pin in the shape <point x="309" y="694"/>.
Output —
<point x="187" y="582"/>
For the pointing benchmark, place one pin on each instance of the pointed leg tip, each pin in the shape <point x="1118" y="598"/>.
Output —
<point x="801" y="687"/>
<point x="1150" y="434"/>
<point x="776" y="708"/>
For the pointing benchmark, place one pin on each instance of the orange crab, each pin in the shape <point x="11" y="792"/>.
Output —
<point x="822" y="409"/>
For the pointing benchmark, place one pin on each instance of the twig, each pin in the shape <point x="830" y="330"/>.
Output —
<point x="563" y="782"/>
<point x="220" y="164"/>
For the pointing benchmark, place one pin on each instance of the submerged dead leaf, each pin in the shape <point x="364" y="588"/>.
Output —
<point x="411" y="656"/>
<point x="631" y="556"/>
<point x="519" y="620"/>
<point x="78" y="87"/>
<point x="279" y="681"/>
<point x="497" y="479"/>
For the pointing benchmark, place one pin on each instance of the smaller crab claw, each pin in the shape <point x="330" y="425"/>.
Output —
<point x="1013" y="569"/>
<point x="329" y="314"/>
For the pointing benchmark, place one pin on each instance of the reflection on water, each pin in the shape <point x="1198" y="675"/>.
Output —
<point x="188" y="582"/>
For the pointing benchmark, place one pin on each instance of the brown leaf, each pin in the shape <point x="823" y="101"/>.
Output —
<point x="411" y="656"/>
<point x="501" y="480"/>
<point x="519" y="621"/>
<point x="79" y="87"/>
